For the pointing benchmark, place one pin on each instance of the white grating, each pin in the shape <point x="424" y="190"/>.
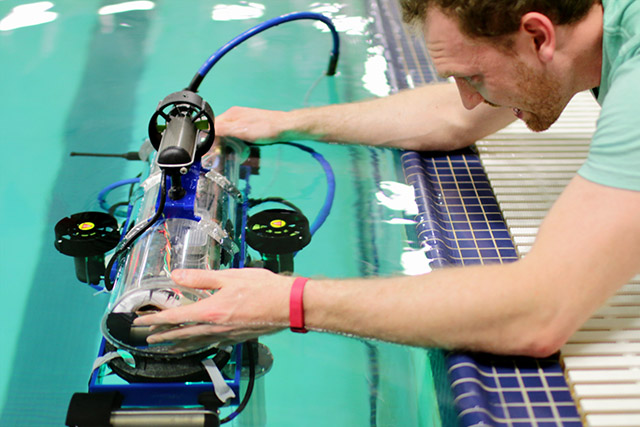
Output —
<point x="527" y="172"/>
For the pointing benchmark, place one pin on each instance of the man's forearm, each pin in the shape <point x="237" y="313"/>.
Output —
<point x="529" y="307"/>
<point x="419" y="310"/>
<point x="430" y="118"/>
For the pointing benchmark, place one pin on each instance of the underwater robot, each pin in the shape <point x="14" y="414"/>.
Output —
<point x="189" y="211"/>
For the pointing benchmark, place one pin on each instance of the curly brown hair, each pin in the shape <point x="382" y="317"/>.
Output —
<point x="496" y="18"/>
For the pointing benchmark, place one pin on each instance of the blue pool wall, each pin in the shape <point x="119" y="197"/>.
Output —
<point x="460" y="223"/>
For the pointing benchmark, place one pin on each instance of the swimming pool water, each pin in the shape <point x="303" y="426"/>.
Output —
<point x="77" y="80"/>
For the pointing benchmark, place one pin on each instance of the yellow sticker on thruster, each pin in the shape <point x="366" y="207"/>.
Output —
<point x="86" y="226"/>
<point x="277" y="223"/>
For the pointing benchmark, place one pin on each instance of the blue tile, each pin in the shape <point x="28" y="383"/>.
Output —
<point x="518" y="412"/>
<point x="447" y="186"/>
<point x="465" y="182"/>
<point x="500" y="242"/>
<point x="501" y="368"/>
<point x="509" y="382"/>
<point x="456" y="201"/>
<point x="543" y="412"/>
<point x="481" y="184"/>
<point x="461" y="226"/>
<point x="462" y="371"/>
<point x="486" y="196"/>
<point x="490" y="382"/>
<point x="470" y="201"/>
<point x="513" y="396"/>
<point x="458" y="217"/>
<point x="479" y="225"/>
<point x="478" y="418"/>
<point x="495" y="217"/>
<point x="551" y="366"/>
<point x="561" y="395"/>
<point x="531" y="382"/>
<point x="474" y="208"/>
<point x="488" y="253"/>
<point x="466" y="244"/>
<point x="555" y="381"/>
<point x="485" y="243"/>
<point x="477" y="217"/>
<point x="469" y="253"/>
<point x="498" y="411"/>
<point x="568" y="411"/>
<point x="472" y="194"/>
<point x="482" y="234"/>
<point x="537" y="396"/>
<point x="508" y="252"/>
<point x="454" y="208"/>
<point x="464" y="185"/>
<point x="492" y="208"/>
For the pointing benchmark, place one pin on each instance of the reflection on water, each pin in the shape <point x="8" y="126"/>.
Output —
<point x="351" y="25"/>
<point x="415" y="262"/>
<point x="375" y="72"/>
<point x="126" y="7"/>
<point x="398" y="197"/>
<point x="27" y="15"/>
<point x="236" y="12"/>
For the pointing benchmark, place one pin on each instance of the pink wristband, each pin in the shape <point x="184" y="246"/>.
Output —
<point x="296" y="306"/>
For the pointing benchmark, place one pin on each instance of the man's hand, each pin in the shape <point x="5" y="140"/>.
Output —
<point x="252" y="124"/>
<point x="246" y="303"/>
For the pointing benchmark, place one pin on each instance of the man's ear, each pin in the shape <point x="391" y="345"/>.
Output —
<point x="541" y="32"/>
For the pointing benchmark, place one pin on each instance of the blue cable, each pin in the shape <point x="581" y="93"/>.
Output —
<point x="102" y="196"/>
<point x="325" y="210"/>
<point x="243" y="229"/>
<point x="333" y="59"/>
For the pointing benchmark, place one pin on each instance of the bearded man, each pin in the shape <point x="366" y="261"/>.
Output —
<point x="507" y="60"/>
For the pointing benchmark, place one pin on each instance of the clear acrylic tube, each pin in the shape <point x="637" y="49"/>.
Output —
<point x="144" y="284"/>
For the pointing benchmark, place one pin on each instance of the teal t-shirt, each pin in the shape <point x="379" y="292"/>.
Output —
<point x="614" y="154"/>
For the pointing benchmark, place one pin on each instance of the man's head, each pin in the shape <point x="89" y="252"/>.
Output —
<point x="504" y="52"/>
<point x="496" y="18"/>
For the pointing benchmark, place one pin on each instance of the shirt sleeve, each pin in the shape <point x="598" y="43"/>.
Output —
<point x="614" y="154"/>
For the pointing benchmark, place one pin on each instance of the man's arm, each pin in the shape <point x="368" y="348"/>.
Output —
<point x="431" y="117"/>
<point x="588" y="246"/>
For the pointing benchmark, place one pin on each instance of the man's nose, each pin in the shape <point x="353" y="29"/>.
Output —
<point x="470" y="97"/>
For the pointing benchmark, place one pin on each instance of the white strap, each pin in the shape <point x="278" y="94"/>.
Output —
<point x="107" y="357"/>
<point x="220" y="386"/>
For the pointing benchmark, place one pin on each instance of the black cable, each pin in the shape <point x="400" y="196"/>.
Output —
<point x="252" y="379"/>
<point x="113" y="208"/>
<point x="163" y="198"/>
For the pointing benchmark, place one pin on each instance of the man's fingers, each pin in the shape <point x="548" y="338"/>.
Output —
<point x="192" y="278"/>
<point x="187" y="332"/>
<point x="175" y="316"/>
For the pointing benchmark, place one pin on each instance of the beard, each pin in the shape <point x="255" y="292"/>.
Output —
<point x="542" y="98"/>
